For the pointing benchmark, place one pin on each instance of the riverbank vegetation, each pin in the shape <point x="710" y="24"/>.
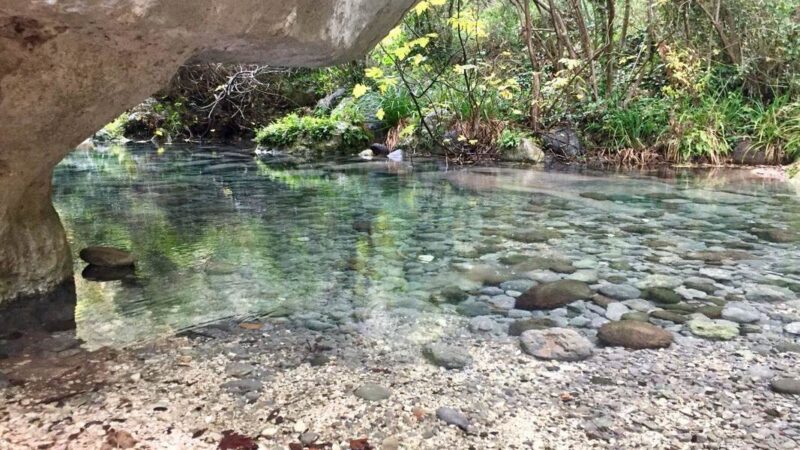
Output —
<point x="640" y="81"/>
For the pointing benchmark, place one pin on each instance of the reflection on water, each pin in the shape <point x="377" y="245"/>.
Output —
<point x="218" y="234"/>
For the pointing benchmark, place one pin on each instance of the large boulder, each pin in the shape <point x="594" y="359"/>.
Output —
<point x="69" y="67"/>
<point x="563" y="141"/>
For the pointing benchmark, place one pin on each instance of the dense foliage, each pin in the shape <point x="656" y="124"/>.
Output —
<point x="637" y="79"/>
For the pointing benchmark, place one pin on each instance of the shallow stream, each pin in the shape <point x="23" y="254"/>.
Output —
<point x="220" y="234"/>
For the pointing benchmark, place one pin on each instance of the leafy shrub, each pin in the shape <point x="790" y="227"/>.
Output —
<point x="292" y="128"/>
<point x="639" y="125"/>
<point x="510" y="139"/>
<point x="775" y="128"/>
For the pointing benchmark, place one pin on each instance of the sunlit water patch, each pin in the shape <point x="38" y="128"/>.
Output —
<point x="331" y="246"/>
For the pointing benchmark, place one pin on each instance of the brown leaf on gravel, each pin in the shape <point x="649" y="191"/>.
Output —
<point x="235" y="441"/>
<point x="251" y="325"/>
<point x="566" y="397"/>
<point x="119" y="439"/>
<point x="419" y="413"/>
<point x="295" y="446"/>
<point x="360" y="444"/>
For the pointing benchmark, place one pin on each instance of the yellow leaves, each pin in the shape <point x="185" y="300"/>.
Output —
<point x="408" y="130"/>
<point x="418" y="59"/>
<point x="385" y="83"/>
<point x="422" y="7"/>
<point x="473" y="142"/>
<point x="420" y="42"/>
<point x="359" y="90"/>
<point x="402" y="52"/>
<point x="470" y="21"/>
<point x="506" y="95"/>
<point x="380" y="114"/>
<point x="426" y="5"/>
<point x="374" y="73"/>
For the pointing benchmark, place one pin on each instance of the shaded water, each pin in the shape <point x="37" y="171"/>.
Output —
<point x="219" y="234"/>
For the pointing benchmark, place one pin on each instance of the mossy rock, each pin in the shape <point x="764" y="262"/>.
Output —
<point x="662" y="295"/>
<point x="635" y="315"/>
<point x="671" y="316"/>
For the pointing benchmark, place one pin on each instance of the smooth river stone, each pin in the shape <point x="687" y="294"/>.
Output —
<point x="107" y="257"/>
<point x="718" y="330"/>
<point x="560" y="344"/>
<point x="553" y="295"/>
<point x="634" y="335"/>
<point x="620" y="291"/>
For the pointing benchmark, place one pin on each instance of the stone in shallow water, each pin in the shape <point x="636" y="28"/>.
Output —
<point x="711" y="311"/>
<point x="538" y="323"/>
<point x="793" y="328"/>
<point x="703" y="286"/>
<point x="669" y="315"/>
<point x="661" y="281"/>
<point x="492" y="290"/>
<point x="452" y="294"/>
<point x="614" y="311"/>
<point x="786" y="386"/>
<point x="474" y="309"/>
<point x="586" y="276"/>
<point x="718" y="330"/>
<point x="635" y="315"/>
<point x="503" y="301"/>
<point x="243" y="386"/>
<point x="534" y="235"/>
<point x="620" y="291"/>
<point x="553" y="295"/>
<point x="483" y="324"/>
<point x="776" y="235"/>
<point x="447" y="356"/>
<point x="717" y="274"/>
<point x="634" y="335"/>
<point x="561" y="344"/>
<point x="372" y="392"/>
<point x="517" y="285"/>
<point x="107" y="257"/>
<point x="639" y="305"/>
<point x="767" y="293"/>
<point x="239" y="370"/>
<point x="452" y="416"/>
<point x="740" y="312"/>
<point x="662" y="295"/>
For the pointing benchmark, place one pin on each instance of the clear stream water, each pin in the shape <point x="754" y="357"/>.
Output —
<point x="220" y="234"/>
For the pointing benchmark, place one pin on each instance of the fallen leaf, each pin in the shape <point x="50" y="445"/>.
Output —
<point x="419" y="413"/>
<point x="119" y="439"/>
<point x="235" y="441"/>
<point x="251" y="325"/>
<point x="199" y="433"/>
<point x="295" y="446"/>
<point x="566" y="397"/>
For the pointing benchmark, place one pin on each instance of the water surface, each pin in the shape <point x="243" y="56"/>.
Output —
<point x="219" y="234"/>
